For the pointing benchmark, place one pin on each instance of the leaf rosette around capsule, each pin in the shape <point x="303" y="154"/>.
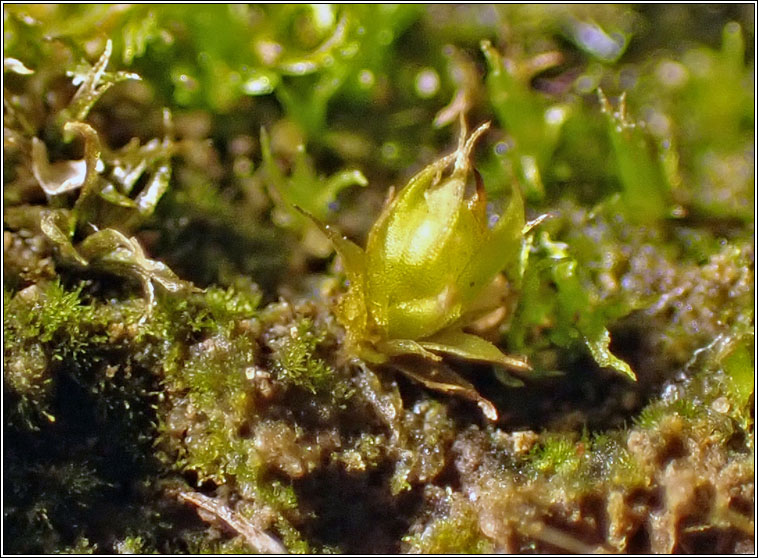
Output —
<point x="430" y="268"/>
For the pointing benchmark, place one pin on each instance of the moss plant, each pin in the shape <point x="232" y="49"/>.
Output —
<point x="188" y="369"/>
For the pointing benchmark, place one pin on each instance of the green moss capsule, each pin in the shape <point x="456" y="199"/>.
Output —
<point x="428" y="271"/>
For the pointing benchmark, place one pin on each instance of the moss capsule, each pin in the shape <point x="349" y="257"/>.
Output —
<point x="427" y="272"/>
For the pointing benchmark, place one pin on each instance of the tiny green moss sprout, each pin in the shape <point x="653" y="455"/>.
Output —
<point x="295" y="361"/>
<point x="43" y="325"/>
<point x="455" y="532"/>
<point x="558" y="455"/>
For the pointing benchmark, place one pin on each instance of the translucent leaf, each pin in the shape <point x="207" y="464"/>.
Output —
<point x="84" y="206"/>
<point x="441" y="378"/>
<point x="59" y="177"/>
<point x="111" y="195"/>
<point x="128" y="165"/>
<point x="471" y="347"/>
<point x="599" y="347"/>
<point x="16" y="66"/>
<point x="397" y="347"/>
<point x="115" y="252"/>
<point x="148" y="198"/>
<point x="353" y="256"/>
<point x="132" y="161"/>
<point x="57" y="225"/>
<point x="500" y="251"/>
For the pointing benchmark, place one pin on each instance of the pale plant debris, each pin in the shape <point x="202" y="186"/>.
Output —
<point x="259" y="541"/>
<point x="16" y="66"/>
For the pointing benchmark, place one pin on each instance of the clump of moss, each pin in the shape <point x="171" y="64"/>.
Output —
<point x="677" y="478"/>
<point x="45" y="325"/>
<point x="79" y="417"/>
<point x="451" y="527"/>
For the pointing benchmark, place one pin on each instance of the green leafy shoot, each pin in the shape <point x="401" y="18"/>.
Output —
<point x="104" y="202"/>
<point x="532" y="122"/>
<point x="93" y="82"/>
<point x="555" y="297"/>
<point x="304" y="189"/>
<point x="431" y="267"/>
<point x="645" y="193"/>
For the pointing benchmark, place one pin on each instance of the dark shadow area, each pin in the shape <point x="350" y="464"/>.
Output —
<point x="356" y="512"/>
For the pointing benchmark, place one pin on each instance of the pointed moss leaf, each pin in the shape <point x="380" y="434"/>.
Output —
<point x="396" y="347"/>
<point x="441" y="378"/>
<point x="304" y="188"/>
<point x="93" y="82"/>
<point x="57" y="225"/>
<point x="111" y="195"/>
<point x="471" y="347"/>
<point x="351" y="308"/>
<point x="499" y="251"/>
<point x="587" y="317"/>
<point x="599" y="347"/>
<point x="84" y="208"/>
<point x="147" y="200"/>
<point x="338" y="182"/>
<point x="353" y="256"/>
